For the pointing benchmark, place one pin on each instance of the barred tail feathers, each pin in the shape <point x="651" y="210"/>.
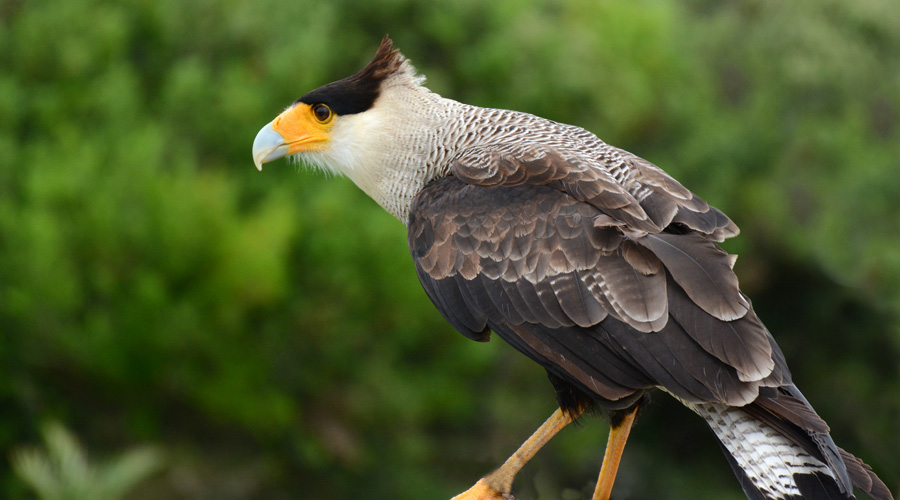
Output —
<point x="780" y="449"/>
<point x="769" y="465"/>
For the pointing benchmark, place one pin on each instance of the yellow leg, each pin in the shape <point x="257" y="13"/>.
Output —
<point x="498" y="484"/>
<point x="618" y="434"/>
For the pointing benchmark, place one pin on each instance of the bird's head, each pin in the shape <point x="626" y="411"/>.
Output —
<point x="333" y="125"/>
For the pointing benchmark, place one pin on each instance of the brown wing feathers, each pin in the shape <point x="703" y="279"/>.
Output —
<point x="507" y="165"/>
<point x="703" y="270"/>
<point x="743" y="344"/>
<point x="663" y="200"/>
<point x="534" y="265"/>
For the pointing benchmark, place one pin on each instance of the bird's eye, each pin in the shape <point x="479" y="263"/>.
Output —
<point x="322" y="113"/>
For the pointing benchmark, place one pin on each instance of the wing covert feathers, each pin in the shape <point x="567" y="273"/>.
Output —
<point x="540" y="267"/>
<point x="629" y="189"/>
<point x="702" y="270"/>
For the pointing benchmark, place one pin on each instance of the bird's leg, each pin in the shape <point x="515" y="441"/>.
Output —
<point x="501" y="479"/>
<point x="619" y="427"/>
<point x="498" y="484"/>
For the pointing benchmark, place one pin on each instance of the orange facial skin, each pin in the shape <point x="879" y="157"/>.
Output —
<point x="302" y="128"/>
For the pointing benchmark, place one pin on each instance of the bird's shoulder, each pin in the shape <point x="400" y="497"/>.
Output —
<point x="525" y="149"/>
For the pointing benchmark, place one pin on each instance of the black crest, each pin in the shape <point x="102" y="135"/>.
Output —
<point x="356" y="93"/>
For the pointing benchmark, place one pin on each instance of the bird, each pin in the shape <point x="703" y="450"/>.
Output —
<point x="590" y="260"/>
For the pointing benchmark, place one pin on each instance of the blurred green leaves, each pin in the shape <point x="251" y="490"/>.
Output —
<point x="268" y="330"/>
<point x="63" y="472"/>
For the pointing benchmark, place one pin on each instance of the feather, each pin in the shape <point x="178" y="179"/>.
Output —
<point x="576" y="301"/>
<point x="660" y="209"/>
<point x="773" y="464"/>
<point x="653" y="358"/>
<point x="702" y="269"/>
<point x="784" y="406"/>
<point x="636" y="298"/>
<point x="449" y="301"/>
<point x="693" y="367"/>
<point x="595" y="349"/>
<point x="556" y="357"/>
<point x="703" y="222"/>
<point x="545" y="294"/>
<point x="661" y="182"/>
<point x="524" y="163"/>
<point x="862" y="477"/>
<point x="742" y="344"/>
<point x="539" y="312"/>
<point x="518" y="307"/>
<point x="641" y="259"/>
<point x="604" y="239"/>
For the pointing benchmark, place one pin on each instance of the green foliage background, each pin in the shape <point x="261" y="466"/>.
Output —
<point x="268" y="331"/>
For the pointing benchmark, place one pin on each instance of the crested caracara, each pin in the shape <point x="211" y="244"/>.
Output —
<point x="591" y="261"/>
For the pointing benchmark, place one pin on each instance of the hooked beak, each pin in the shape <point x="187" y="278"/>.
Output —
<point x="296" y="130"/>
<point x="268" y="146"/>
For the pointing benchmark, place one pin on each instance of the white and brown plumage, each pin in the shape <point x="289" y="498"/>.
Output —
<point x="588" y="259"/>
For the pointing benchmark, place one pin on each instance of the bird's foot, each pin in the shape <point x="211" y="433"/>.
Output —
<point x="483" y="491"/>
